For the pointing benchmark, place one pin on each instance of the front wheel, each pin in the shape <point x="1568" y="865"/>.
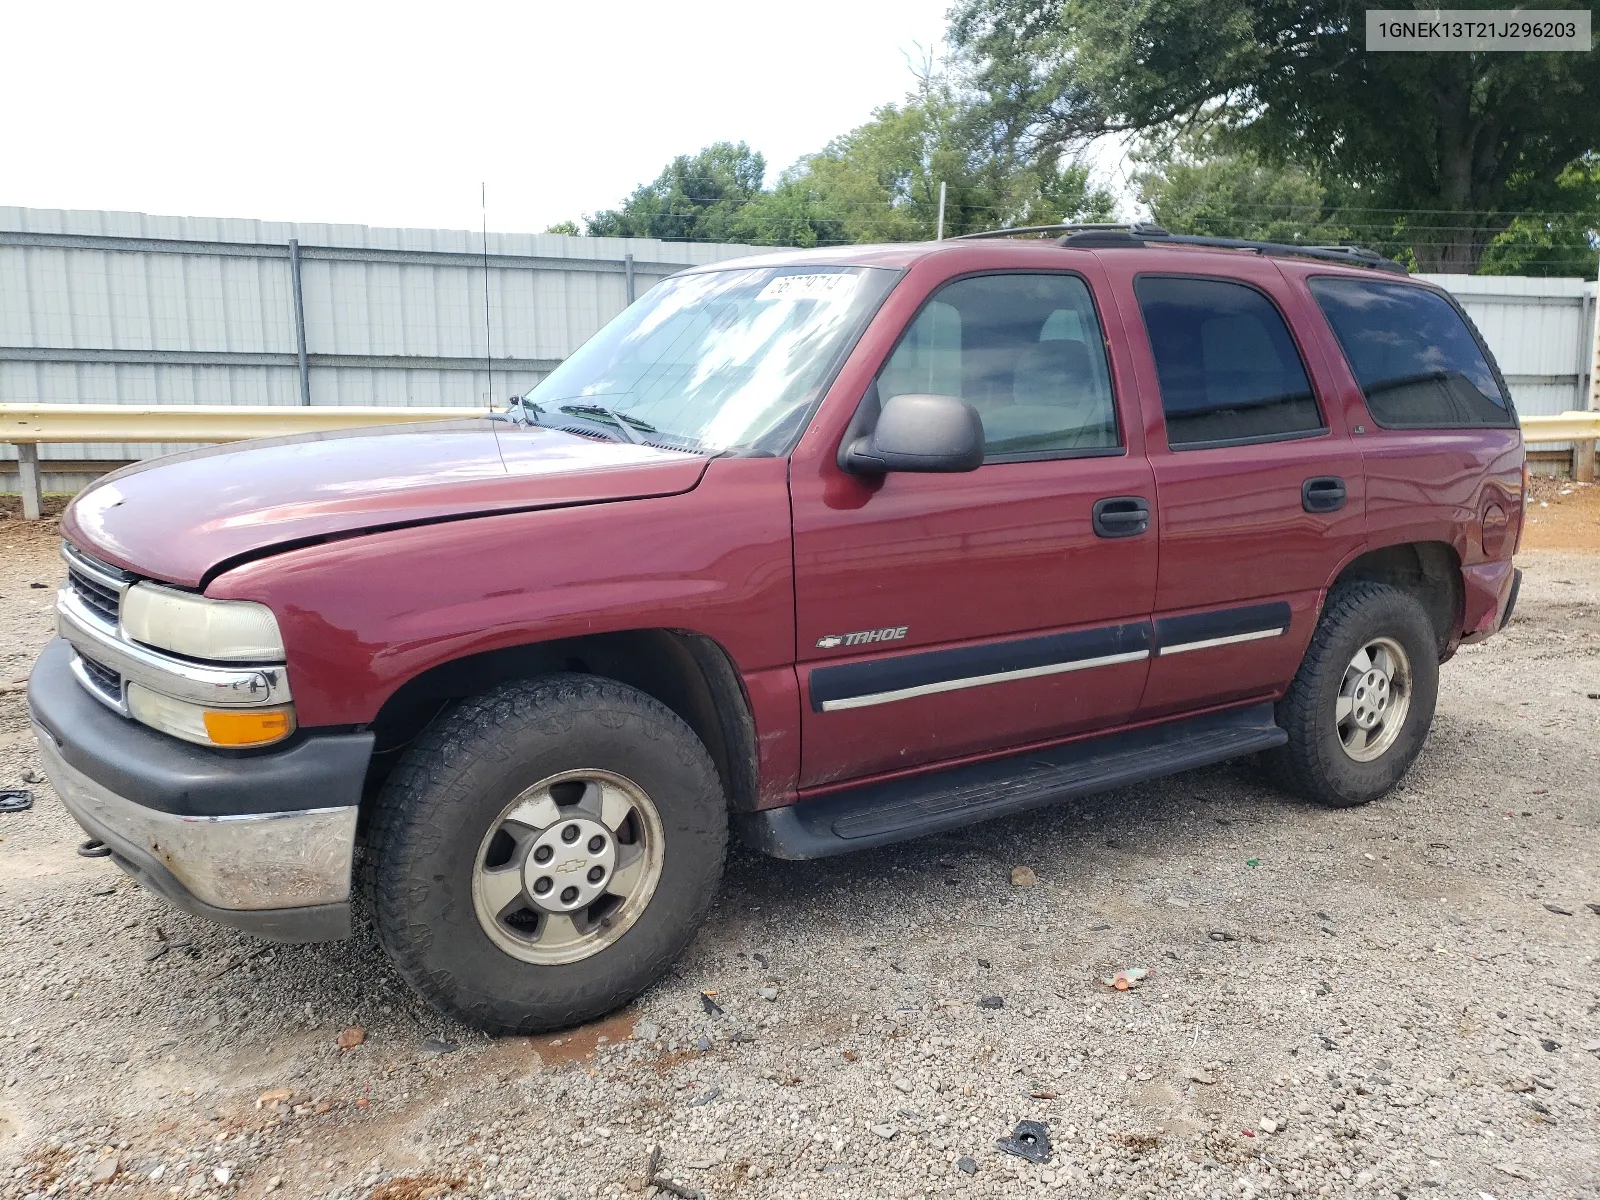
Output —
<point x="1363" y="698"/>
<point x="544" y="851"/>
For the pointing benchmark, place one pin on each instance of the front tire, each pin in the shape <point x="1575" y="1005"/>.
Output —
<point x="1362" y="702"/>
<point x="544" y="851"/>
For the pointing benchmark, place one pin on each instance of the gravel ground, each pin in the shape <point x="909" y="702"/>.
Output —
<point x="1398" y="1000"/>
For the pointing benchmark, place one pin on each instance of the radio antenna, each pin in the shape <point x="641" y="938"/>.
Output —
<point x="488" y="357"/>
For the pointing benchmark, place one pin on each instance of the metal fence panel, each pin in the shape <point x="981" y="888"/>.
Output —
<point x="1541" y="332"/>
<point x="108" y="307"/>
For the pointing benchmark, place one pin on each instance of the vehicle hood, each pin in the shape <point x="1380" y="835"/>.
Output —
<point x="179" y="518"/>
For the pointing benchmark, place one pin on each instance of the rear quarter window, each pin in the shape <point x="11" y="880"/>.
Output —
<point x="1417" y="360"/>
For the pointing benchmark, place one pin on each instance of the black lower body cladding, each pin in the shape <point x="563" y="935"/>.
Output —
<point x="880" y="814"/>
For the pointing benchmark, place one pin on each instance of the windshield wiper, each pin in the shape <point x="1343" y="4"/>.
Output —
<point x="519" y="411"/>
<point x="524" y="411"/>
<point x="532" y="414"/>
<point x="624" y="423"/>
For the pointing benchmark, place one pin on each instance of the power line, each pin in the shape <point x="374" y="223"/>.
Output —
<point x="1287" y="205"/>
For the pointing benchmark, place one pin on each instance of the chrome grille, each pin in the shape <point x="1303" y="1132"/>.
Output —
<point x="99" y="587"/>
<point x="102" y="676"/>
<point x="97" y="596"/>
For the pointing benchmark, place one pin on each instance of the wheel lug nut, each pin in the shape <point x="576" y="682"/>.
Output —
<point x="542" y="885"/>
<point x="570" y="834"/>
<point x="596" y="844"/>
<point x="543" y="854"/>
<point x="568" y="895"/>
<point x="596" y="874"/>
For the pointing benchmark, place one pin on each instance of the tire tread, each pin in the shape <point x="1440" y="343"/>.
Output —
<point x="426" y="786"/>
<point x="1302" y="765"/>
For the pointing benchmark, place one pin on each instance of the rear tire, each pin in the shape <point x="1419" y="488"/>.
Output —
<point x="544" y="851"/>
<point x="1362" y="702"/>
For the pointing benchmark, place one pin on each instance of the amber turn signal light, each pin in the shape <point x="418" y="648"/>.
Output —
<point x="249" y="727"/>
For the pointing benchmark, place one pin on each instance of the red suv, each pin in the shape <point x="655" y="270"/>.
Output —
<point x="836" y="547"/>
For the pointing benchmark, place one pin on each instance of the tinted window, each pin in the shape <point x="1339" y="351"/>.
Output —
<point x="1229" y="370"/>
<point x="1413" y="355"/>
<point x="1025" y="351"/>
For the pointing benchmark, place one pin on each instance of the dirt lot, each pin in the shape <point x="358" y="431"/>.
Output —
<point x="1400" y="1000"/>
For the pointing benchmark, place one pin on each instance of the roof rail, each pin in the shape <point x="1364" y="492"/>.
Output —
<point x="1127" y="227"/>
<point x="1357" y="256"/>
<point x="1109" y="235"/>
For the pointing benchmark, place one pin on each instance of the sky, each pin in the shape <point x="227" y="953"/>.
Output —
<point x="393" y="114"/>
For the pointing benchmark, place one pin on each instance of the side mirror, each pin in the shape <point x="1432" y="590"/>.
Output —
<point x="920" y="433"/>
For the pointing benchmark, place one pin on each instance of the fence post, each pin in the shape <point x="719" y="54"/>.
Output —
<point x="28" y="474"/>
<point x="1583" y="452"/>
<point x="299" y="321"/>
<point x="627" y="270"/>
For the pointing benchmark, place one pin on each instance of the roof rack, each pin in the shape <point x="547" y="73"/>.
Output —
<point x="1108" y="235"/>
<point x="1076" y="227"/>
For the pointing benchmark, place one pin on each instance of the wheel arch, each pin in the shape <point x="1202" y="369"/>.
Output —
<point x="1429" y="571"/>
<point x="693" y="675"/>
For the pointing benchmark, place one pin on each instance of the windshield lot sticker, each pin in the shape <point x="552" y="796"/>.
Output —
<point x="836" y="287"/>
<point x="833" y="641"/>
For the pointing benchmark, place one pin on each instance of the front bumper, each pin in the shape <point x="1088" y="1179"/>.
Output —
<point x="261" y="842"/>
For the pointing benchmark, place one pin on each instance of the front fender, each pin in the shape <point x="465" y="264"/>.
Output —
<point x="362" y="616"/>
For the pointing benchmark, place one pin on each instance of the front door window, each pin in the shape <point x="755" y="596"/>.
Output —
<point x="1025" y="351"/>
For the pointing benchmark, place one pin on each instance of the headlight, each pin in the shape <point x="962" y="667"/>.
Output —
<point x="236" y="727"/>
<point x="197" y="627"/>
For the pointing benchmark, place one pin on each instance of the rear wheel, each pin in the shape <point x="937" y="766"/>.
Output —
<point x="1362" y="701"/>
<point x="544" y="851"/>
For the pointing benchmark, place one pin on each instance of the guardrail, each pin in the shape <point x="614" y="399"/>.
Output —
<point x="28" y="425"/>
<point x="1562" y="427"/>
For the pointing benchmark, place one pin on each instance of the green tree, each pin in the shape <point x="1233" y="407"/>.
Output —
<point x="564" y="227"/>
<point x="1196" y="187"/>
<point x="880" y="181"/>
<point x="1447" y="148"/>
<point x="877" y="183"/>
<point x="695" y="198"/>
<point x="1555" y="243"/>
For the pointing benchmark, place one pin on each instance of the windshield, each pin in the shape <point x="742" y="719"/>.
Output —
<point x="714" y="360"/>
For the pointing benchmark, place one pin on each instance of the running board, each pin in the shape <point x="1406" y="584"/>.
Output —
<point x="880" y="813"/>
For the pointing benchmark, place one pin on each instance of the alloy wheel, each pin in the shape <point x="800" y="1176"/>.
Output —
<point x="568" y="867"/>
<point x="1374" y="698"/>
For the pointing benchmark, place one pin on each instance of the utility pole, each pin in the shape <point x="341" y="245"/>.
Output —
<point x="488" y="355"/>
<point x="940" y="236"/>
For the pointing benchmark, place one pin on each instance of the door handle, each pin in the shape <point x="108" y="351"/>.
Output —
<point x="1324" y="494"/>
<point x="1121" y="516"/>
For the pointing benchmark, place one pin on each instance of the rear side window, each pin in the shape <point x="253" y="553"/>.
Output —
<point x="1229" y="370"/>
<point x="1025" y="351"/>
<point x="1413" y="355"/>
